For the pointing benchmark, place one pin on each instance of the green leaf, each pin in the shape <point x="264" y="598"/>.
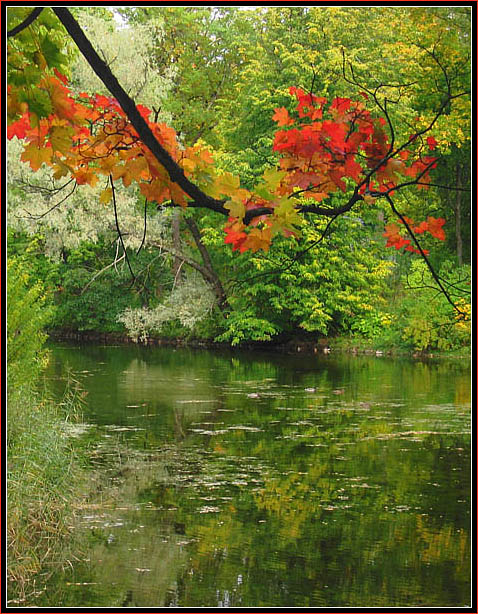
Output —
<point x="53" y="56"/>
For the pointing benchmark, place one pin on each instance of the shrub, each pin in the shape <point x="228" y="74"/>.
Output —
<point x="27" y="314"/>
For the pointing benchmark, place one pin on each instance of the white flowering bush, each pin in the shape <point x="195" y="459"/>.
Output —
<point x="188" y="303"/>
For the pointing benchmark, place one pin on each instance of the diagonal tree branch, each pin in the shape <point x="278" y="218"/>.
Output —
<point x="128" y="105"/>
<point x="26" y="22"/>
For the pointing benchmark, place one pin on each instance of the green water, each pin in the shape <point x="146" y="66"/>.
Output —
<point x="267" y="480"/>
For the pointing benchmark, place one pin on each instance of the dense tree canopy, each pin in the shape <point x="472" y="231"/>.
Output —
<point x="279" y="120"/>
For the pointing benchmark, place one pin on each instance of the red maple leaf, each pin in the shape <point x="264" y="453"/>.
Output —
<point x="235" y="238"/>
<point x="435" y="227"/>
<point x="62" y="78"/>
<point x="19" y="128"/>
<point x="393" y="236"/>
<point x="341" y="104"/>
<point x="422" y="227"/>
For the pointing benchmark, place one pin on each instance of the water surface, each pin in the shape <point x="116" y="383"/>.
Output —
<point x="268" y="480"/>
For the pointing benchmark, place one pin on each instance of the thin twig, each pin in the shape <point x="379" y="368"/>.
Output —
<point x="96" y="275"/>
<point x="144" y="233"/>
<point x="119" y="231"/>
<point x="40" y="216"/>
<point x="423" y="255"/>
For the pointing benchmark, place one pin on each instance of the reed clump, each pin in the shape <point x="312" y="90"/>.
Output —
<point x="44" y="472"/>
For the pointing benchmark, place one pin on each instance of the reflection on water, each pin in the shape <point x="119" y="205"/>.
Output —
<point x="271" y="481"/>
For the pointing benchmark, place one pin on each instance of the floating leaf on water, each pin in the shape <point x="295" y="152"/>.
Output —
<point x="241" y="427"/>
<point x="118" y="429"/>
<point x="204" y="432"/>
<point x="208" y="509"/>
<point x="198" y="401"/>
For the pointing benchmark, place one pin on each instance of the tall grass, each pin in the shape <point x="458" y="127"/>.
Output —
<point x="43" y="480"/>
<point x="43" y="472"/>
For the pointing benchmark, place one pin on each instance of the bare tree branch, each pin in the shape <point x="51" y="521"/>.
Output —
<point x="98" y="273"/>
<point x="118" y="229"/>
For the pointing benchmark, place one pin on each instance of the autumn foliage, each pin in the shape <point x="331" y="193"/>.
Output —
<point x="323" y="148"/>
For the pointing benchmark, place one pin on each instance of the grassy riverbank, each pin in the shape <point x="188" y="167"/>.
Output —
<point x="44" y="481"/>
<point x="340" y="344"/>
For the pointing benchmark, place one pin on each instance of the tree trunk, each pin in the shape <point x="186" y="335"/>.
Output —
<point x="213" y="278"/>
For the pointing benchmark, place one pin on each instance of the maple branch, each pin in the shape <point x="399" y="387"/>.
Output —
<point x="415" y="181"/>
<point x="26" y="22"/>
<point x="34" y="187"/>
<point x="449" y="96"/>
<point x="456" y="288"/>
<point x="423" y="255"/>
<point x="329" y="212"/>
<point x="128" y="105"/>
<point x="175" y="172"/>
<point x="315" y="209"/>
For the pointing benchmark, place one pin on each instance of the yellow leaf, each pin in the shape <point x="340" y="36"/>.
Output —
<point x="36" y="156"/>
<point x="285" y="210"/>
<point x="236" y="208"/>
<point x="155" y="191"/>
<point x="106" y="196"/>
<point x="188" y="165"/>
<point x="135" y="169"/>
<point x="273" y="177"/>
<point x="177" y="195"/>
<point x="226" y="184"/>
<point x="61" y="138"/>
<point x="369" y="199"/>
<point x="60" y="168"/>
<point x="85" y="175"/>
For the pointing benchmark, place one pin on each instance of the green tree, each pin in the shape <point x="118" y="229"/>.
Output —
<point x="27" y="316"/>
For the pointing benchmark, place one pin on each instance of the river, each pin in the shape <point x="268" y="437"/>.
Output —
<point x="242" y="480"/>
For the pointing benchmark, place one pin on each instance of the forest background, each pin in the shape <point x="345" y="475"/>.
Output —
<point x="217" y="75"/>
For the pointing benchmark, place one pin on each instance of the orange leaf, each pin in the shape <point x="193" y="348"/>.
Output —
<point x="85" y="175"/>
<point x="257" y="239"/>
<point x="281" y="116"/>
